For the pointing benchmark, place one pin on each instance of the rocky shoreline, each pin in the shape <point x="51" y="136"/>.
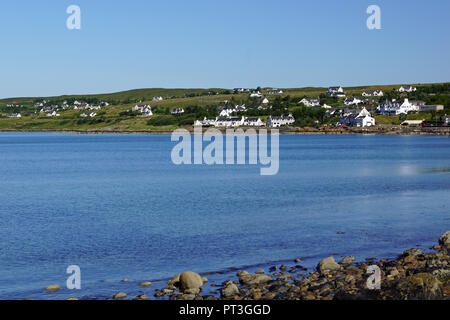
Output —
<point x="414" y="275"/>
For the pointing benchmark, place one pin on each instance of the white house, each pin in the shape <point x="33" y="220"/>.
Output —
<point x="351" y="101"/>
<point x="253" y="122"/>
<point x="361" y="119"/>
<point x="157" y="99"/>
<point x="255" y="94"/>
<point x="397" y="107"/>
<point x="53" y="114"/>
<point x="230" y="122"/>
<point x="177" y="111"/>
<point x="446" y="119"/>
<point x="144" y="109"/>
<point x="375" y="93"/>
<point x="15" y="115"/>
<point x="406" y="89"/>
<point x="265" y="101"/>
<point x="336" y="92"/>
<point x="88" y="115"/>
<point x="274" y="91"/>
<point x="226" y="112"/>
<point x="310" y="102"/>
<point x="280" y="121"/>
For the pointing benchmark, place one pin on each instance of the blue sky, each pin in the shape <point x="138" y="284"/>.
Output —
<point x="208" y="43"/>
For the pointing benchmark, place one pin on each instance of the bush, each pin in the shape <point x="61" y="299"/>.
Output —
<point x="162" y="120"/>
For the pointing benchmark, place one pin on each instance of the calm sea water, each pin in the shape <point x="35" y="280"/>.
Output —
<point x="116" y="206"/>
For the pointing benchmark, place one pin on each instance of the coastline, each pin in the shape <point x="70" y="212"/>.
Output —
<point x="413" y="275"/>
<point x="378" y="130"/>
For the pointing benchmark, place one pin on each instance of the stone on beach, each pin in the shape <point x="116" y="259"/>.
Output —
<point x="348" y="260"/>
<point x="253" y="279"/>
<point x="145" y="284"/>
<point x="142" y="297"/>
<point x="119" y="295"/>
<point x="53" y="287"/>
<point x="190" y="281"/>
<point x="328" y="264"/>
<point x="229" y="291"/>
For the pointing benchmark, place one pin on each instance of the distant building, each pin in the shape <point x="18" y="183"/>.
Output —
<point x="336" y="92"/>
<point x="15" y="115"/>
<point x="310" y="102"/>
<point x="397" y="107"/>
<point x="177" y="111"/>
<point x="406" y="89"/>
<point x="253" y="122"/>
<point x="144" y="109"/>
<point x="352" y="101"/>
<point x="274" y="91"/>
<point x="280" y="121"/>
<point x="361" y="119"/>
<point x="88" y="115"/>
<point x="255" y="94"/>
<point x="157" y="99"/>
<point x="373" y="93"/>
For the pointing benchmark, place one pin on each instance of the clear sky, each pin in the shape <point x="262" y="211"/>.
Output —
<point x="209" y="43"/>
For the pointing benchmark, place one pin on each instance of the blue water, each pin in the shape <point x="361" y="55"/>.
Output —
<point x="116" y="206"/>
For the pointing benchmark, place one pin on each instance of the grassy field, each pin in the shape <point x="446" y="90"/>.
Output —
<point x="109" y="118"/>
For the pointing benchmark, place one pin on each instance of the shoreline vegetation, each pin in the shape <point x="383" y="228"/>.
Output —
<point x="413" y="275"/>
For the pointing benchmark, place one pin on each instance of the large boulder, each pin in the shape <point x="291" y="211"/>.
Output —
<point x="248" y="279"/>
<point x="190" y="282"/>
<point x="229" y="291"/>
<point x="346" y="261"/>
<point x="327" y="265"/>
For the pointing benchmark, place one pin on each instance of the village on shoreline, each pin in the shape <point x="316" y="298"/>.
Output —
<point x="331" y="111"/>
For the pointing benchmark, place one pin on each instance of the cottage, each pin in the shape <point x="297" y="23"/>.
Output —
<point x="336" y="92"/>
<point x="255" y="94"/>
<point x="406" y="89"/>
<point x="274" y="91"/>
<point x="158" y="98"/>
<point x="88" y="115"/>
<point x="361" y="119"/>
<point x="144" y="109"/>
<point x="177" y="111"/>
<point x="253" y="122"/>
<point x="15" y="115"/>
<point x="280" y="121"/>
<point x="310" y="102"/>
<point x="265" y="101"/>
<point x="373" y="93"/>
<point x="53" y="114"/>
<point x="397" y="107"/>
<point x="352" y="101"/>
